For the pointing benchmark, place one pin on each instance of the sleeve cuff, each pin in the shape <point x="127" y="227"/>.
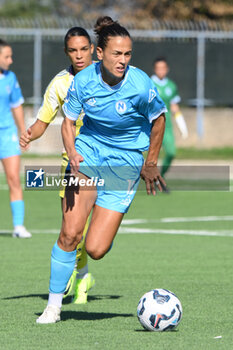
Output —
<point x="17" y="103"/>
<point x="68" y="114"/>
<point x="156" y="115"/>
<point x="176" y="99"/>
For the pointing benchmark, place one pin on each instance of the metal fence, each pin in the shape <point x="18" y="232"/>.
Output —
<point x="35" y="62"/>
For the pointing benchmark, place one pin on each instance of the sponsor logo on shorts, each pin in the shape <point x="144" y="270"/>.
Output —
<point x="14" y="138"/>
<point x="126" y="201"/>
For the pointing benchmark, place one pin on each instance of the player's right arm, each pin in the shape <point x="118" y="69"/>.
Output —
<point x="34" y="132"/>
<point x="67" y="131"/>
<point x="71" y="109"/>
<point x="46" y="114"/>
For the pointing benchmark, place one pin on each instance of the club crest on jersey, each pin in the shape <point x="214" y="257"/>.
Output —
<point x="91" y="101"/>
<point x="152" y="94"/>
<point x="168" y="91"/>
<point x="121" y="107"/>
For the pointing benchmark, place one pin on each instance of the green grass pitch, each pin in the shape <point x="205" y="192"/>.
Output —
<point x="192" y="258"/>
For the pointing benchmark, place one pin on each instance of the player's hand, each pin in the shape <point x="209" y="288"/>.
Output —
<point x="151" y="175"/>
<point x="185" y="134"/>
<point x="25" y="139"/>
<point x="75" y="160"/>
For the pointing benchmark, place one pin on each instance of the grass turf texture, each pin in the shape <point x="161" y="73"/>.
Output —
<point x="198" y="269"/>
<point x="224" y="153"/>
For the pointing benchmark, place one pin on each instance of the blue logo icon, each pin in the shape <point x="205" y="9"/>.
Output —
<point x="35" y="178"/>
<point x="121" y="107"/>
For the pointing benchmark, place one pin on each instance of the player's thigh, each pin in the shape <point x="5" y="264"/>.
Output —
<point x="76" y="207"/>
<point x="9" y="142"/>
<point x="102" y="230"/>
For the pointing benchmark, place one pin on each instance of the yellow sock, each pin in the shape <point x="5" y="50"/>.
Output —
<point x="81" y="257"/>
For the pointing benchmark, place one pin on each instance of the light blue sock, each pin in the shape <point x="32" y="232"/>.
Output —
<point x="17" y="209"/>
<point x="62" y="266"/>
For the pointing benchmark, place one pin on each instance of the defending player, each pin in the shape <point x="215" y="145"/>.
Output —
<point x="168" y="92"/>
<point x="79" y="49"/>
<point x="11" y="112"/>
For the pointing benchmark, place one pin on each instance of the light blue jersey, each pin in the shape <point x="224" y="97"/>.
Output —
<point x="116" y="129"/>
<point x="129" y="108"/>
<point x="10" y="97"/>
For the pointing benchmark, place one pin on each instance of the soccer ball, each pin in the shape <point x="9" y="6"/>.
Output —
<point x="159" y="310"/>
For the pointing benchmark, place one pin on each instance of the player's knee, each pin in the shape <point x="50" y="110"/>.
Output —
<point x="69" y="237"/>
<point x="95" y="252"/>
<point x="13" y="182"/>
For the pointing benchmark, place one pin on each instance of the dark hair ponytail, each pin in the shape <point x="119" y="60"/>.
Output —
<point x="106" y="27"/>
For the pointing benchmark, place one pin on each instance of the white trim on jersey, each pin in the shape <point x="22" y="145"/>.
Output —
<point x="158" y="81"/>
<point x="18" y="103"/>
<point x="175" y="100"/>
<point x="156" y="115"/>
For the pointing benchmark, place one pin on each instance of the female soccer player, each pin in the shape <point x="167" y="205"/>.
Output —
<point x="11" y="113"/>
<point x="168" y="91"/>
<point x="123" y="115"/>
<point x="79" y="49"/>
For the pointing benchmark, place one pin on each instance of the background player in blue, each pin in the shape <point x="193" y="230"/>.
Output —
<point x="11" y="111"/>
<point x="78" y="48"/>
<point x="124" y="116"/>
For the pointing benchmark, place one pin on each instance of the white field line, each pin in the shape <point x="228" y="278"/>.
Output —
<point x="53" y="231"/>
<point x="178" y="219"/>
<point x="4" y="187"/>
<point x="137" y="231"/>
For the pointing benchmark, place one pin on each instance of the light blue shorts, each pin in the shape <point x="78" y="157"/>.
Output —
<point x="115" y="172"/>
<point x="9" y="142"/>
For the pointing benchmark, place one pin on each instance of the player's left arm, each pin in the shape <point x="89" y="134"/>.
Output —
<point x="150" y="172"/>
<point x="18" y="114"/>
<point x="179" y="119"/>
<point x="153" y="108"/>
<point x="176" y="112"/>
<point x="16" y="103"/>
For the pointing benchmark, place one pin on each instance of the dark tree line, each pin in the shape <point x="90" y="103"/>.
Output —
<point x="131" y="10"/>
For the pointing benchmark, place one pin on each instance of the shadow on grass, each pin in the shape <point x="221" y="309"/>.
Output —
<point x="147" y="331"/>
<point x="42" y="296"/>
<point x="88" y="316"/>
<point x="92" y="298"/>
<point x="6" y="234"/>
<point x="67" y="300"/>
